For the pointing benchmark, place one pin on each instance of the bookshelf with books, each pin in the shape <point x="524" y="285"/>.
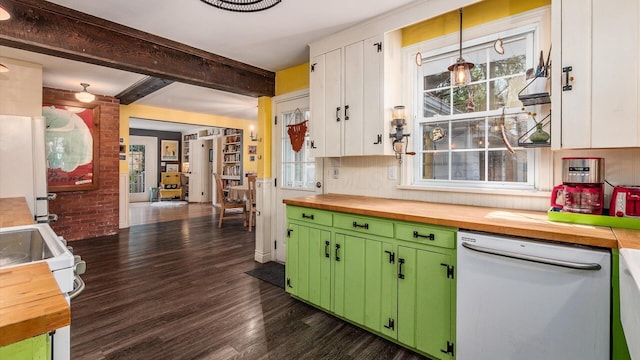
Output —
<point x="231" y="158"/>
<point x="186" y="139"/>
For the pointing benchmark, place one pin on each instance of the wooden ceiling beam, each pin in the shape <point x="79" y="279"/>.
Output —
<point x="47" y="28"/>
<point x="141" y="89"/>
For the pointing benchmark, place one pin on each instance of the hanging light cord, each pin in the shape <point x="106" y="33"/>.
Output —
<point x="460" y="56"/>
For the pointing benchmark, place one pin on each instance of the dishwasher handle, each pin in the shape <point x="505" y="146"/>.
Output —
<point x="538" y="259"/>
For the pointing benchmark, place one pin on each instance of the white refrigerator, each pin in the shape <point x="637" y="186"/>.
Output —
<point x="23" y="167"/>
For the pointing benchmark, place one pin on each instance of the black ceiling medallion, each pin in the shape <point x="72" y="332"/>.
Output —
<point x="243" y="5"/>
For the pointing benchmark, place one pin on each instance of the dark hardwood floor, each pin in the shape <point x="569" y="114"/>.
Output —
<point x="177" y="290"/>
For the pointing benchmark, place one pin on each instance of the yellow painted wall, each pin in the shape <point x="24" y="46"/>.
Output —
<point x="292" y="79"/>
<point x="264" y="137"/>
<point x="473" y="15"/>
<point x="155" y="113"/>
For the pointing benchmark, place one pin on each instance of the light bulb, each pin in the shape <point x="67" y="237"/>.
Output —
<point x="462" y="75"/>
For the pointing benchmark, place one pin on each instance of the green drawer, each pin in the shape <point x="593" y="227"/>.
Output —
<point x="363" y="224"/>
<point x="309" y="215"/>
<point x="426" y="234"/>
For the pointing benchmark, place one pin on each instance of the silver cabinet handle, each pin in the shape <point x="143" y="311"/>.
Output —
<point x="538" y="259"/>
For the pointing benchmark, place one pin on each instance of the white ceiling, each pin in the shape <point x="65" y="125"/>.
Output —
<point x="273" y="39"/>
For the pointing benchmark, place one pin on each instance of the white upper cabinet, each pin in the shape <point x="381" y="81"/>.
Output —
<point x="595" y="74"/>
<point x="349" y="99"/>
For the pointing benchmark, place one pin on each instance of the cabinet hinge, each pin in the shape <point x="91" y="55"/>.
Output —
<point x="449" y="349"/>
<point x="313" y="67"/>
<point x="379" y="46"/>
<point x="275" y="182"/>
<point x="390" y="324"/>
<point x="289" y="231"/>
<point x="275" y="119"/>
<point x="275" y="244"/>
<point x="392" y="257"/>
<point x="289" y="283"/>
<point x="450" y="269"/>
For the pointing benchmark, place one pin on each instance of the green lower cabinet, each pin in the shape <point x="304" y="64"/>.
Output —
<point x="364" y="283"/>
<point x="392" y="278"/>
<point x="35" y="348"/>
<point x="309" y="274"/>
<point x="424" y="301"/>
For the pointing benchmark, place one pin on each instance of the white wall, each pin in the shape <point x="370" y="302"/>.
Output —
<point x="368" y="176"/>
<point x="21" y="88"/>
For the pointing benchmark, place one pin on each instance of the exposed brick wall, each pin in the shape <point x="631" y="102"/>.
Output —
<point x="90" y="214"/>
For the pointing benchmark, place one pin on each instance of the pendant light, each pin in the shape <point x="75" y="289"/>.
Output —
<point x="460" y="71"/>
<point x="84" y="95"/>
<point x="4" y="14"/>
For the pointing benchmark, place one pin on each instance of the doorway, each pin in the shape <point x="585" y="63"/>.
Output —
<point x="297" y="173"/>
<point x="143" y="169"/>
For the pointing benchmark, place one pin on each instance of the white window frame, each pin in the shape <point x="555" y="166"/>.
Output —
<point x="538" y="21"/>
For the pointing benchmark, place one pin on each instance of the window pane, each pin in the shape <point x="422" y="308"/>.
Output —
<point x="298" y="168"/>
<point x="471" y="98"/>
<point x="504" y="92"/>
<point x="513" y="61"/>
<point x="136" y="169"/>
<point x="435" y="136"/>
<point x="468" y="165"/>
<point x="437" y="103"/>
<point x="435" y="74"/>
<point x="506" y="167"/>
<point x="435" y="166"/>
<point x="467" y="134"/>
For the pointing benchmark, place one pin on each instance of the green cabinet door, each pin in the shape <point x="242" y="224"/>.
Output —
<point x="364" y="283"/>
<point x="35" y="348"/>
<point x="310" y="275"/>
<point x="424" y="301"/>
<point x="292" y="260"/>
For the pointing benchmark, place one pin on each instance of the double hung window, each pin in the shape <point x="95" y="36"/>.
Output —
<point x="468" y="135"/>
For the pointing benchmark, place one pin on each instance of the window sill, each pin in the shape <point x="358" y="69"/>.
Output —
<point x="479" y="191"/>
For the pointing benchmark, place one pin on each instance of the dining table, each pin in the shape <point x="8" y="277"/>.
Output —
<point x="239" y="192"/>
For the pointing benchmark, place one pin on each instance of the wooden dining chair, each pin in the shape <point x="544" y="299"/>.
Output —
<point x="251" y="199"/>
<point x="227" y="204"/>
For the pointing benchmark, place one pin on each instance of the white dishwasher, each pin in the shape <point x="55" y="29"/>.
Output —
<point x="521" y="299"/>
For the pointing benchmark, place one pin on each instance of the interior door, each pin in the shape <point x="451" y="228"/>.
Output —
<point x="296" y="173"/>
<point x="143" y="167"/>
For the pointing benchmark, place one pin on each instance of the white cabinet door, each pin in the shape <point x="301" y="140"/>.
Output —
<point x="333" y="103"/>
<point x="614" y="118"/>
<point x="373" y="112"/>
<point x="353" y="99"/>
<point x="600" y="44"/>
<point x="317" y="106"/>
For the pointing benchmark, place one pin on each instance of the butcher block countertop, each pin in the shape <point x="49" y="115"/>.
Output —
<point x="14" y="212"/>
<point x="30" y="303"/>
<point x="531" y="224"/>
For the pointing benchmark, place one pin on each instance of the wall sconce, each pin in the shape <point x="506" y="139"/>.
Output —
<point x="460" y="71"/>
<point x="252" y="135"/>
<point x="400" y="139"/>
<point x="84" y="95"/>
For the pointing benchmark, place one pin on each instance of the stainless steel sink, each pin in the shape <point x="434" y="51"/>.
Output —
<point x="22" y="246"/>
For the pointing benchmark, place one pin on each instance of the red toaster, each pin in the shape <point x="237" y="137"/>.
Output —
<point x="625" y="201"/>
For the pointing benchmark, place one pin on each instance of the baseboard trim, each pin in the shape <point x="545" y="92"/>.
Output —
<point x="262" y="257"/>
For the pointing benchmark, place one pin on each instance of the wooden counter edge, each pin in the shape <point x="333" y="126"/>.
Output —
<point x="14" y="212"/>
<point x="539" y="231"/>
<point x="628" y="238"/>
<point x="51" y="311"/>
